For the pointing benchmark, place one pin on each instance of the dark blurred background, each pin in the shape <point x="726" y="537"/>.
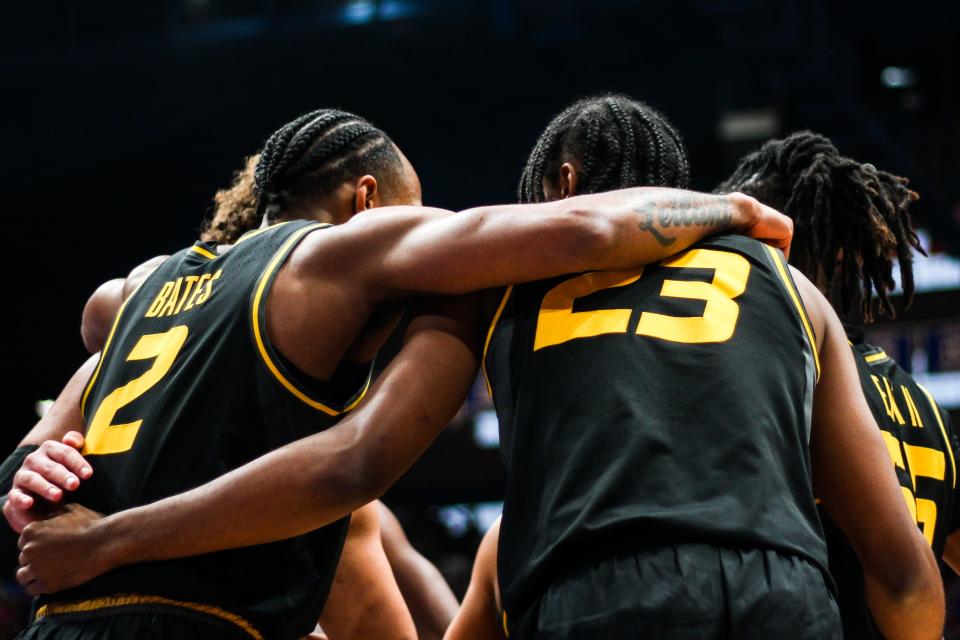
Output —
<point x="121" y="119"/>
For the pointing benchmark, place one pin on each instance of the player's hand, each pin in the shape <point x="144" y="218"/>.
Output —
<point x="765" y="223"/>
<point x="61" y="552"/>
<point x="45" y="474"/>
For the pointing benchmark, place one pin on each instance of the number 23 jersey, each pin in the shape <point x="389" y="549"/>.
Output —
<point x="661" y="405"/>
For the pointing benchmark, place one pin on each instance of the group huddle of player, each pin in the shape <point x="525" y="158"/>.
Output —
<point x="697" y="440"/>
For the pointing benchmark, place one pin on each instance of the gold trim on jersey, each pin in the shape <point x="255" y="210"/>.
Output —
<point x="256" y="232"/>
<point x="103" y="356"/>
<point x="794" y="296"/>
<point x="876" y="357"/>
<point x="203" y="252"/>
<point x="133" y="599"/>
<point x="265" y="278"/>
<point x="486" y="343"/>
<point x="943" y="430"/>
<point x="506" y="631"/>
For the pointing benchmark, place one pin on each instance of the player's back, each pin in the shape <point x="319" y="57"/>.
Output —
<point x="189" y="388"/>
<point x="660" y="406"/>
<point x="920" y="441"/>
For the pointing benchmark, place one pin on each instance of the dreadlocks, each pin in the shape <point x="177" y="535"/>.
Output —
<point x="235" y="209"/>
<point x="619" y="142"/>
<point x="316" y="152"/>
<point x="851" y="220"/>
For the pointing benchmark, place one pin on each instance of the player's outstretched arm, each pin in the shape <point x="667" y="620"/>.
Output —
<point x="292" y="490"/>
<point x="429" y="598"/>
<point x="855" y="479"/>
<point x="420" y="250"/>
<point x="479" y="615"/>
<point x="365" y="601"/>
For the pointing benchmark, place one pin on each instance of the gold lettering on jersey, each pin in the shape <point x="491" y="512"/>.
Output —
<point x="886" y="395"/>
<point x="200" y="284"/>
<point x="171" y="304"/>
<point x="189" y="281"/>
<point x="893" y="448"/>
<point x="182" y="294"/>
<point x="720" y="313"/>
<point x="925" y="462"/>
<point x="927" y="518"/>
<point x="915" y="418"/>
<point x="159" y="300"/>
<point x="208" y="290"/>
<point x="893" y="402"/>
<point x="911" y="503"/>
<point x="919" y="462"/>
<point x="928" y="463"/>
<point x="558" y="322"/>
<point x="103" y="436"/>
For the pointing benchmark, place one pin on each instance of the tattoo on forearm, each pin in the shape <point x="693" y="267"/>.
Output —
<point x="685" y="211"/>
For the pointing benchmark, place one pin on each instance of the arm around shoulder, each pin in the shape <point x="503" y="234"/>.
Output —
<point x="413" y="249"/>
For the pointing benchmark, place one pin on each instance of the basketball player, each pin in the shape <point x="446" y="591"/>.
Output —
<point x="313" y="301"/>
<point x="865" y="212"/>
<point x="706" y="487"/>
<point x="852" y="222"/>
<point x="365" y="599"/>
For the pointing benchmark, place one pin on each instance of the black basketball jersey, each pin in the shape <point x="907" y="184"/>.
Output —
<point x="921" y="443"/>
<point x="189" y="388"/>
<point x="662" y="405"/>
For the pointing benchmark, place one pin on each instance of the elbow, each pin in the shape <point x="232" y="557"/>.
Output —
<point x="352" y="479"/>
<point x="584" y="235"/>
<point x="909" y="577"/>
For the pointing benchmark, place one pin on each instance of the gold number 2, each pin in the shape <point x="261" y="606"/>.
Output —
<point x="558" y="322"/>
<point x="103" y="437"/>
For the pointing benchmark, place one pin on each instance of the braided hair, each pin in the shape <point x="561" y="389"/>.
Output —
<point x="235" y="208"/>
<point x="620" y="142"/>
<point x="851" y="220"/>
<point x="316" y="152"/>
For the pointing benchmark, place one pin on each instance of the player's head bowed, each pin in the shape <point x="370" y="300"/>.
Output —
<point x="614" y="141"/>
<point x="316" y="152"/>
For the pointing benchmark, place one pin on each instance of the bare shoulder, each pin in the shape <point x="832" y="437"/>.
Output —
<point x="102" y="306"/>
<point x="140" y="273"/>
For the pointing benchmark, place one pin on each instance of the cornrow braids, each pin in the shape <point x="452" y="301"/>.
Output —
<point x="850" y="219"/>
<point x="620" y="143"/>
<point x="235" y="208"/>
<point x="317" y="151"/>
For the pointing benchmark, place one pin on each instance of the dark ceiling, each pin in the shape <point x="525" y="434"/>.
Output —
<point x="121" y="119"/>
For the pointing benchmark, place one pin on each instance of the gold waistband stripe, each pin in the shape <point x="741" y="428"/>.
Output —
<point x="133" y="599"/>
